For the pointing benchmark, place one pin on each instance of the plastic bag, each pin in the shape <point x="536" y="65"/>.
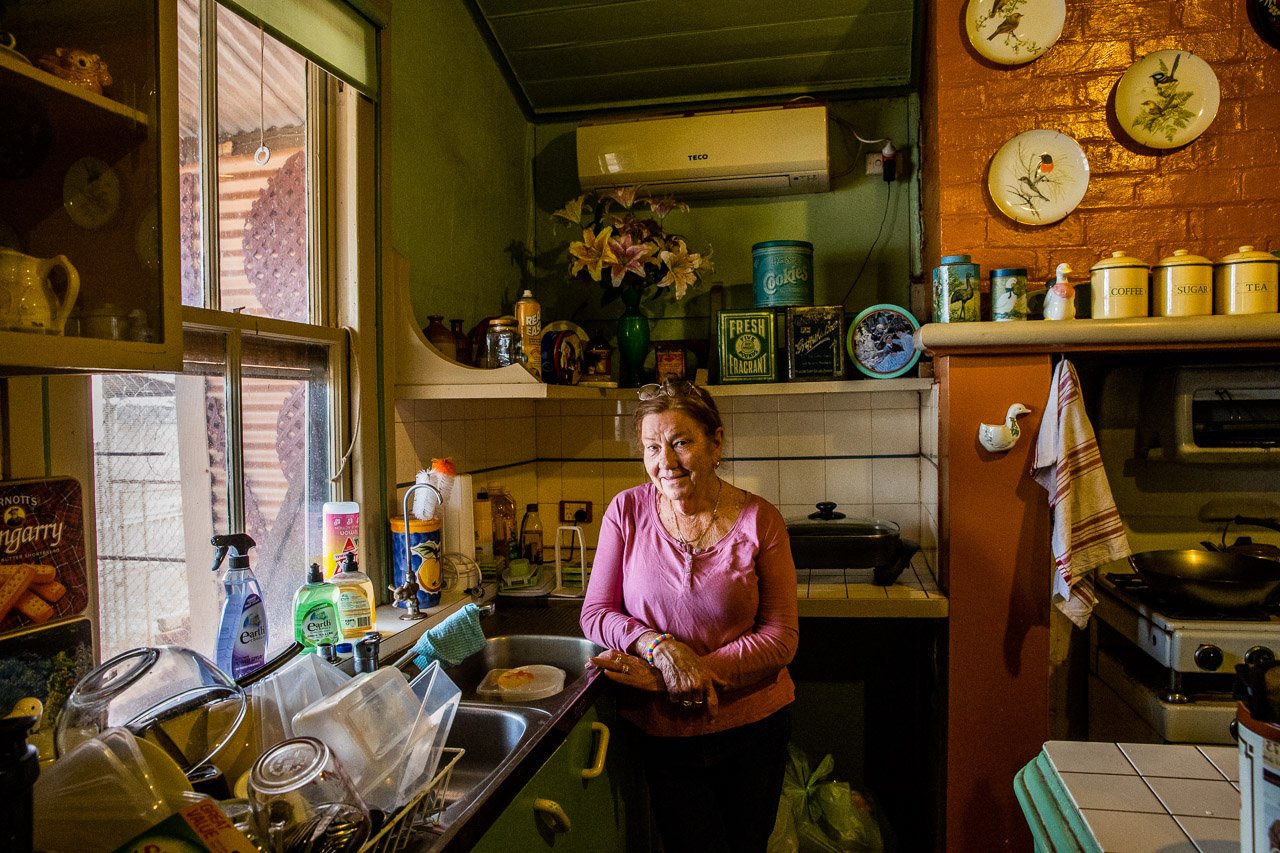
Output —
<point x="830" y="817"/>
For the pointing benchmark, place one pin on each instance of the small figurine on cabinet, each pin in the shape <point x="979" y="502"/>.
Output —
<point x="78" y="67"/>
<point x="1060" y="300"/>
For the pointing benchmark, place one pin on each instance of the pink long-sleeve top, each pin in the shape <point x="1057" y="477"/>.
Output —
<point x="736" y="608"/>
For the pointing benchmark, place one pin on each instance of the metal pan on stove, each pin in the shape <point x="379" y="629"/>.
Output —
<point x="1209" y="579"/>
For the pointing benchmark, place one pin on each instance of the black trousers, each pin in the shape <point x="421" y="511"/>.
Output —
<point x="718" y="793"/>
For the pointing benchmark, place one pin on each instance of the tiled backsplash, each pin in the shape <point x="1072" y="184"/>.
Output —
<point x="873" y="453"/>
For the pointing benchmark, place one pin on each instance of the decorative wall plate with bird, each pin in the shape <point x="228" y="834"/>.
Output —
<point x="1167" y="98"/>
<point x="1012" y="32"/>
<point x="1038" y="177"/>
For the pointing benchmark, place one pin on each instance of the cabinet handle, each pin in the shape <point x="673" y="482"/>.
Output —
<point x="602" y="748"/>
<point x="552" y="814"/>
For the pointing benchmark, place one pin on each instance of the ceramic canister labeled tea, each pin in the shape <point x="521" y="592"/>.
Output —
<point x="957" y="290"/>
<point x="1182" y="286"/>
<point x="1119" y="285"/>
<point x="1244" y="282"/>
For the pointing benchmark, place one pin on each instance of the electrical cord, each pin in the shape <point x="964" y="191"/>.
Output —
<point x="884" y="217"/>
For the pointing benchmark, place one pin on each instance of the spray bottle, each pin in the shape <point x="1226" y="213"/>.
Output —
<point x="242" y="633"/>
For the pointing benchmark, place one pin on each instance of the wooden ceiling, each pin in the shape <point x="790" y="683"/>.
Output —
<point x="567" y="58"/>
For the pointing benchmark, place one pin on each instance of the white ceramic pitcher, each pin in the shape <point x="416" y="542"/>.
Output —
<point x="27" y="301"/>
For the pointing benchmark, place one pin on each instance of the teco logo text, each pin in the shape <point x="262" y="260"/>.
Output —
<point x="699" y="156"/>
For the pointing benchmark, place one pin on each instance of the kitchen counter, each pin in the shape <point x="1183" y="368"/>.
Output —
<point x="1135" y="797"/>
<point x="850" y="593"/>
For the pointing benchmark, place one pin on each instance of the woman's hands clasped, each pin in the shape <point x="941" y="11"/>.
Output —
<point x="677" y="671"/>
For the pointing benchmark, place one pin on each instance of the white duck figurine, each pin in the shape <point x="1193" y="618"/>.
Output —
<point x="1000" y="437"/>
<point x="1060" y="300"/>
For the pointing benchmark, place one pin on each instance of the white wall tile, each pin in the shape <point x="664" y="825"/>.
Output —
<point x="802" y="433"/>
<point x="764" y="403"/>
<point x="550" y="484"/>
<point x="584" y="481"/>
<point x="406" y="456"/>
<point x="545" y="409"/>
<point x="847" y="402"/>
<point x="802" y="481"/>
<point x="581" y="408"/>
<point x="758" y="477"/>
<point x="429" y="410"/>
<point x="755" y="434"/>
<point x="801" y="403"/>
<point x="580" y="436"/>
<point x="897" y="400"/>
<point x="848" y="432"/>
<point x="621" y="475"/>
<point x="848" y="481"/>
<point x="406" y="410"/>
<point x="895" y="431"/>
<point x="550" y="437"/>
<point x="906" y="516"/>
<point x="617" y="441"/>
<point x="895" y="481"/>
<point x="450" y="439"/>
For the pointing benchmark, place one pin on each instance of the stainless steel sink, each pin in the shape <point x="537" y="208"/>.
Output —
<point x="489" y="734"/>
<point x="567" y="653"/>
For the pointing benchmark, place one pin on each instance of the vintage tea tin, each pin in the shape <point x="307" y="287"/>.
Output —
<point x="746" y="346"/>
<point x="815" y="342"/>
<point x="1244" y="282"/>
<point x="957" y="290"/>
<point x="783" y="273"/>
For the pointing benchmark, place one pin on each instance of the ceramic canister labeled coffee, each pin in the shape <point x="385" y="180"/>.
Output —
<point x="1119" y="285"/>
<point x="1244" y="282"/>
<point x="1182" y="286"/>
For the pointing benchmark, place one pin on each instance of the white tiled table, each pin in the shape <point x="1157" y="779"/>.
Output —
<point x="1144" y="798"/>
<point x="852" y="592"/>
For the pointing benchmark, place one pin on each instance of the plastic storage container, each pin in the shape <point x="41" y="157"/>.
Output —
<point x="522" y="683"/>
<point x="381" y="732"/>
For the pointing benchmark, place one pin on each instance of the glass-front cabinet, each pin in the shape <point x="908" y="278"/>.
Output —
<point x="89" y="274"/>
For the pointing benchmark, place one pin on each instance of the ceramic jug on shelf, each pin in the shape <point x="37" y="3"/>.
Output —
<point x="27" y="300"/>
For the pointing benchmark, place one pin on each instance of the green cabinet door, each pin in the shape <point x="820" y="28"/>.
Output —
<point x="563" y="811"/>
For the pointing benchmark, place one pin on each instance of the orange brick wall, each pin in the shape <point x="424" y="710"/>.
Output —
<point x="1211" y="196"/>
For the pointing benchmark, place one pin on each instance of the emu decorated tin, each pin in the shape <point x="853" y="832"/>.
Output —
<point x="957" y="290"/>
<point x="783" y="273"/>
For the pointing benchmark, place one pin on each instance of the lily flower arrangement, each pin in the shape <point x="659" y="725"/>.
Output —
<point x="625" y="244"/>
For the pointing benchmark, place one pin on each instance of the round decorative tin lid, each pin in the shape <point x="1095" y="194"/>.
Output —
<point x="1183" y="258"/>
<point x="948" y="260"/>
<point x="1013" y="32"/>
<point x="1118" y="259"/>
<point x="1038" y="177"/>
<point x="770" y="244"/>
<point x="881" y="341"/>
<point x="1167" y="98"/>
<point x="1248" y="254"/>
<point x="1008" y="271"/>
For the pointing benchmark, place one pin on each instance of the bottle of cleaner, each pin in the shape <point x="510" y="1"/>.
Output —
<point x="531" y="535"/>
<point x="506" y="538"/>
<point x="242" y="633"/>
<point x="529" y="321"/>
<point x="355" y="600"/>
<point x="340" y="533"/>
<point x="315" y="611"/>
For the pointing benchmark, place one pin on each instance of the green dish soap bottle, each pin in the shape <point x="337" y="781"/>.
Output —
<point x="315" y="612"/>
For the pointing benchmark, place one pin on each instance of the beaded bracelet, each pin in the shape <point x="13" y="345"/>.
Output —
<point x="653" y="646"/>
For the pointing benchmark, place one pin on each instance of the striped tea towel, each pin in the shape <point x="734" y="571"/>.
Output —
<point x="1087" y="530"/>
<point x="452" y="641"/>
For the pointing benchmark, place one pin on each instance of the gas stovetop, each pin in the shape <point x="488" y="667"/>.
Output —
<point x="1191" y="642"/>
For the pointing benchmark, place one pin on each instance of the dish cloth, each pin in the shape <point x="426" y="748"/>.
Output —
<point x="452" y="641"/>
<point x="1087" y="530"/>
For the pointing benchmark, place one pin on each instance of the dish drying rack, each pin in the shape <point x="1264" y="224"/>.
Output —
<point x="423" y="810"/>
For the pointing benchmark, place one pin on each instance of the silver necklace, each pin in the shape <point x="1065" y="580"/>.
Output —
<point x="687" y="544"/>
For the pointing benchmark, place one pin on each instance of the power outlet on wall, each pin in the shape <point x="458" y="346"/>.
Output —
<point x="875" y="163"/>
<point x="570" y="509"/>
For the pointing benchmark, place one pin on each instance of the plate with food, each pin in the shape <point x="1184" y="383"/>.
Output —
<point x="522" y="683"/>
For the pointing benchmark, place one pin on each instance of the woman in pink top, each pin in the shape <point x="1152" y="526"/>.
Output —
<point x="693" y="589"/>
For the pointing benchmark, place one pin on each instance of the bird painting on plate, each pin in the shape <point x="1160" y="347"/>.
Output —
<point x="1038" y="181"/>
<point x="1007" y="26"/>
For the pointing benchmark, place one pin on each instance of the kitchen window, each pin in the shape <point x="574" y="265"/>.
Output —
<point x="251" y="436"/>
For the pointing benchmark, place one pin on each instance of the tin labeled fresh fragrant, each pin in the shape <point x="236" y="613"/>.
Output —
<point x="746" y="346"/>
<point x="783" y="273"/>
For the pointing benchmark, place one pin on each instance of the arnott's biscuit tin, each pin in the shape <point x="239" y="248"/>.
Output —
<point x="783" y="273"/>
<point x="746" y="346"/>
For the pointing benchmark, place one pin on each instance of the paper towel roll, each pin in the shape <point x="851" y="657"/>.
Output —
<point x="458" y="523"/>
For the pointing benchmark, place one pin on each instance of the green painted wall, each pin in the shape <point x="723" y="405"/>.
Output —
<point x="469" y="175"/>
<point x="459" y="172"/>
<point x="843" y="225"/>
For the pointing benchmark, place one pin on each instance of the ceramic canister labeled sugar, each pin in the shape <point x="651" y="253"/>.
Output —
<point x="783" y="273"/>
<point x="1244" y="282"/>
<point x="957" y="290"/>
<point x="424" y="557"/>
<point x="1119" y="285"/>
<point x="1182" y="286"/>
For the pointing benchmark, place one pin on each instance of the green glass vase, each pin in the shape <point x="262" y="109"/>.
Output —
<point x="633" y="339"/>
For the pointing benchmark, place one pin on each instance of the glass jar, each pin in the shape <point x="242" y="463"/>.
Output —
<point x="502" y="340"/>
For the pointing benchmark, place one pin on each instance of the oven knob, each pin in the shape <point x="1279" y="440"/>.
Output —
<point x="1208" y="657"/>
<point x="1259" y="655"/>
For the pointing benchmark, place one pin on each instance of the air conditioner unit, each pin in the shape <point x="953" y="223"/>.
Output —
<point x="749" y="152"/>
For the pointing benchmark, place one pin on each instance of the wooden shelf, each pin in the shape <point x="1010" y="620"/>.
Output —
<point x="88" y="109"/>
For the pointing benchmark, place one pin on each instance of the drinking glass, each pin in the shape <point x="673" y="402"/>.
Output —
<point x="303" y="801"/>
